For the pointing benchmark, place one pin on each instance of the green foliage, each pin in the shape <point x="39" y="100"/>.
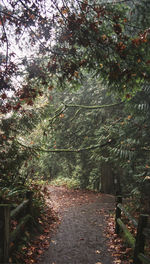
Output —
<point x="69" y="182"/>
<point x="94" y="179"/>
<point x="92" y="41"/>
<point x="77" y="128"/>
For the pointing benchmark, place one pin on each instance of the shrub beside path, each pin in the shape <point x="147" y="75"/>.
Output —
<point x="80" y="237"/>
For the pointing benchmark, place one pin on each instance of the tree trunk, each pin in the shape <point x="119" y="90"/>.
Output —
<point x="84" y="181"/>
<point x="107" y="179"/>
<point x="145" y="196"/>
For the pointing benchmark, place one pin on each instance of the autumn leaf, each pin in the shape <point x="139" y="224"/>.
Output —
<point x="64" y="11"/>
<point x="42" y="237"/>
<point x="97" y="251"/>
<point x="40" y="251"/>
<point x="53" y="241"/>
<point x="30" y="102"/>
<point x="76" y="74"/>
<point x="104" y="37"/>
<point x="128" y="96"/>
<point x="117" y="261"/>
<point x="50" y="87"/>
<point x="136" y="42"/>
<point x="17" y="106"/>
<point x="3" y="96"/>
<point x="120" y="46"/>
<point x="84" y="6"/>
<point x="117" y="28"/>
<point x="129" y="117"/>
<point x="29" y="253"/>
<point x="46" y="230"/>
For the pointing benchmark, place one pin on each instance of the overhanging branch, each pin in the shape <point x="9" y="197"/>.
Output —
<point x="91" y="107"/>
<point x="110" y="141"/>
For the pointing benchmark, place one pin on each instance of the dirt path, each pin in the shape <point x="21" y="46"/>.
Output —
<point x="80" y="236"/>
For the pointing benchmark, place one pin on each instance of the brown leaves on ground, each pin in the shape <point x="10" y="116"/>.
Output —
<point x="31" y="251"/>
<point x="120" y="252"/>
<point x="58" y="200"/>
<point x="62" y="197"/>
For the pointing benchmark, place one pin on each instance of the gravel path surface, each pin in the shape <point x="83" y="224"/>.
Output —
<point x="80" y="237"/>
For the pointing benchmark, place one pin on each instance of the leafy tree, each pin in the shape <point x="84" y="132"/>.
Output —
<point x="77" y="128"/>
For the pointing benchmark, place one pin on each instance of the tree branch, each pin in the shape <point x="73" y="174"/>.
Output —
<point x="76" y="113"/>
<point x="91" y="107"/>
<point x="110" y="141"/>
<point x="58" y="113"/>
<point x="7" y="45"/>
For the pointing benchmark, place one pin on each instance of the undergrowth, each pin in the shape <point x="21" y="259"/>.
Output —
<point x="70" y="183"/>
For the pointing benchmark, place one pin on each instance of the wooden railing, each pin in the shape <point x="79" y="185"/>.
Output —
<point x="143" y="232"/>
<point x="6" y="214"/>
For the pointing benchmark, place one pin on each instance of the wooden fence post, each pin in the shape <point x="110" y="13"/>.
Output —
<point x="118" y="214"/>
<point x="4" y="232"/>
<point x="140" y="238"/>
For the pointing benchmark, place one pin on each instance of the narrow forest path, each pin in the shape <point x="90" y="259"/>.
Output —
<point x="80" y="237"/>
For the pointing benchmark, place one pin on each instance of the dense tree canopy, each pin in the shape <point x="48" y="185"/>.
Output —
<point x="110" y="39"/>
<point x="74" y="98"/>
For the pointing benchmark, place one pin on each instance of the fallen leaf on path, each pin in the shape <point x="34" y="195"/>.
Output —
<point x="40" y="252"/>
<point x="53" y="241"/>
<point x="30" y="253"/>
<point x="46" y="231"/>
<point x="42" y="237"/>
<point x="97" y="251"/>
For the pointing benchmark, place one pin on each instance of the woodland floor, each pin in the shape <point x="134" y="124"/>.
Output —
<point x="81" y="236"/>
